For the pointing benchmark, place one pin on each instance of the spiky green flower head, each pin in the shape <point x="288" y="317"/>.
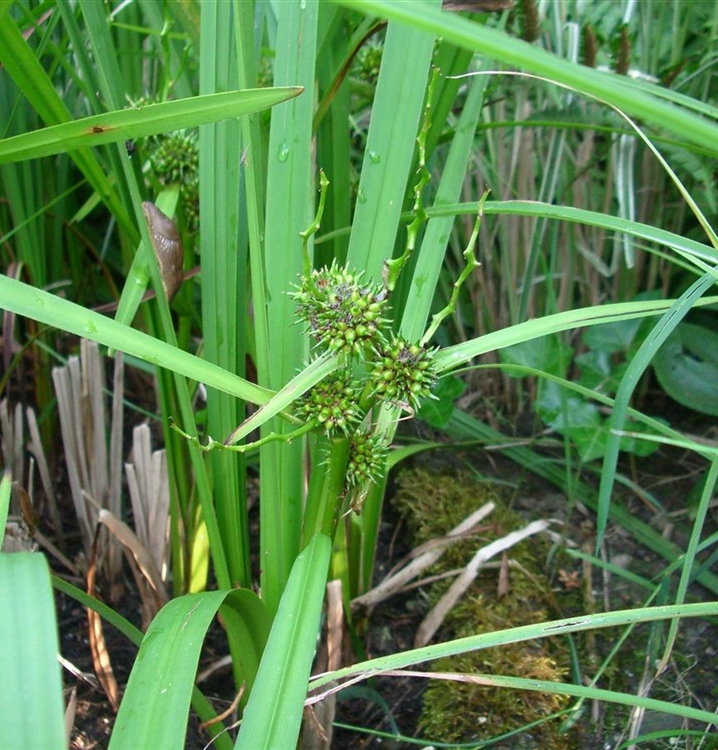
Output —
<point x="175" y="156"/>
<point x="344" y="315"/>
<point x="333" y="403"/>
<point x="175" y="160"/>
<point x="368" y="61"/>
<point x="404" y="373"/>
<point x="367" y="459"/>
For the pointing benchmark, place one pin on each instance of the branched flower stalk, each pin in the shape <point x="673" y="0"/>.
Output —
<point x="348" y="316"/>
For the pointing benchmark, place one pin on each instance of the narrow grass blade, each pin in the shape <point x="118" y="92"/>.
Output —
<point x="662" y="330"/>
<point x="690" y="557"/>
<point x="579" y="691"/>
<point x="124" y="626"/>
<point x="155" y="707"/>
<point x="465" y="427"/>
<point x="517" y="635"/>
<point x="300" y="384"/>
<point x="31" y="709"/>
<point x="454" y="356"/>
<point x="274" y="712"/>
<point x="431" y="254"/>
<point x="685" y="246"/>
<point x="19" y="60"/>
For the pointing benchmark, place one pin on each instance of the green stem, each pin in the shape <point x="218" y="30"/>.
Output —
<point x="212" y="444"/>
<point x="326" y="488"/>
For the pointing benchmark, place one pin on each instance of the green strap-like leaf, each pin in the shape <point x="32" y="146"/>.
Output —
<point x="31" y="705"/>
<point x="153" y="713"/>
<point x="396" y="113"/>
<point x="126" y="124"/>
<point x="51" y="310"/>
<point x="274" y="712"/>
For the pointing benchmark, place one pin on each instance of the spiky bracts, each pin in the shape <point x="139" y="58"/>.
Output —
<point x="343" y="314"/>
<point x="403" y="374"/>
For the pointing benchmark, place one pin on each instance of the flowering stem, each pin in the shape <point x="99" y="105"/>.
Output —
<point x="326" y="488"/>
<point x="471" y="264"/>
<point x="314" y="226"/>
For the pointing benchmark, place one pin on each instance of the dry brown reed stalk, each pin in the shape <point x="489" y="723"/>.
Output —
<point x="21" y="532"/>
<point x="94" y="462"/>
<point x="148" y="483"/>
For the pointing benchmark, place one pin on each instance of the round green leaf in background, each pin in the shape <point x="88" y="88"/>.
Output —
<point x="687" y="368"/>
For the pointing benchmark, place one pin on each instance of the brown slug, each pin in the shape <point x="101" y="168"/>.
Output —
<point x="167" y="246"/>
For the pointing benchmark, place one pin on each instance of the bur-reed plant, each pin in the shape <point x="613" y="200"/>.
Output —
<point x="259" y="227"/>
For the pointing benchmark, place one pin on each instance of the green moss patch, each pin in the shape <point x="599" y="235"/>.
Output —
<point x="433" y="503"/>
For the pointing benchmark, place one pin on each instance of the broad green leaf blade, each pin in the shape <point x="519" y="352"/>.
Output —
<point x="241" y="616"/>
<point x="687" y="367"/>
<point x="31" y="708"/>
<point x="437" y="410"/>
<point x="248" y="624"/>
<point x="51" y="310"/>
<point x="290" y="207"/>
<point x="154" y="709"/>
<point x="223" y="258"/>
<point x="126" y="124"/>
<point x="274" y="713"/>
<point x="390" y="146"/>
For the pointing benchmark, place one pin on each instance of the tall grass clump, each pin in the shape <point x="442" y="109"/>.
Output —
<point x="283" y="233"/>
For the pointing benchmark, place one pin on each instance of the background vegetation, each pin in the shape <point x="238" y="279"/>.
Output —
<point x="335" y="172"/>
